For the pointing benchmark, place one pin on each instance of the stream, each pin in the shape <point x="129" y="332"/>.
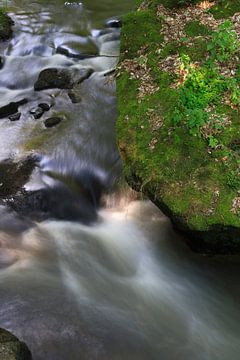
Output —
<point x="105" y="277"/>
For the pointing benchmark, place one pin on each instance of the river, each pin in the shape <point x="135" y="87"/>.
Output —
<point x="119" y="285"/>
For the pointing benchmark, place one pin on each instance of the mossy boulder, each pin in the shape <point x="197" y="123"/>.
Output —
<point x="6" y="24"/>
<point x="191" y="174"/>
<point x="11" y="348"/>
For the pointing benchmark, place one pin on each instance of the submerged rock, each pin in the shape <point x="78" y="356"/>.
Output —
<point x="61" y="78"/>
<point x="11" y="348"/>
<point x="52" y="121"/>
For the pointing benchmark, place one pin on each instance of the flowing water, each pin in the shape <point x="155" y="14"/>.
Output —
<point x="125" y="286"/>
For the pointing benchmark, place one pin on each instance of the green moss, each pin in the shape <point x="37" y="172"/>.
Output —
<point x="194" y="28"/>
<point x="225" y="8"/>
<point x="197" y="51"/>
<point x="146" y="25"/>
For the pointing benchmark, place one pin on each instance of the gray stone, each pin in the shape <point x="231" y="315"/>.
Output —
<point x="11" y="348"/>
<point x="53" y="121"/>
<point x="74" y="96"/>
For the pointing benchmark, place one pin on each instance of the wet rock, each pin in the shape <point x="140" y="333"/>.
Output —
<point x="37" y="112"/>
<point x="8" y="110"/>
<point x="75" y="197"/>
<point x="13" y="176"/>
<point x="1" y="62"/>
<point x="114" y="23"/>
<point x="53" y="121"/>
<point x="74" y="96"/>
<point x="61" y="78"/>
<point x="63" y="51"/>
<point x="6" y="24"/>
<point x="11" y="348"/>
<point x="15" y="117"/>
<point x="11" y="108"/>
<point x="44" y="106"/>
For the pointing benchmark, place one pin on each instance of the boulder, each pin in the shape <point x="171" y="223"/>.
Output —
<point x="61" y="78"/>
<point x="11" y="348"/>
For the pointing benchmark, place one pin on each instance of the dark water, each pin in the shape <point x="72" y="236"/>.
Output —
<point x="125" y="287"/>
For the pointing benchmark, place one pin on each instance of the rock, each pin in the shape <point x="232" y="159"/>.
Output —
<point x="44" y="106"/>
<point x="61" y="78"/>
<point x="6" y="24"/>
<point x="15" y="117"/>
<point x="8" y="110"/>
<point x="76" y="50"/>
<point x="53" y="121"/>
<point x="114" y="23"/>
<point x="37" y="112"/>
<point x="1" y="62"/>
<point x="11" y="108"/>
<point x="13" y="176"/>
<point x="11" y="348"/>
<point x="74" y="96"/>
<point x="53" y="78"/>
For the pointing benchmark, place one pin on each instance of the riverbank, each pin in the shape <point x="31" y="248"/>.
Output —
<point x="178" y="127"/>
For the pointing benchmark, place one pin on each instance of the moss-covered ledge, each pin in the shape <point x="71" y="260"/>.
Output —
<point x="190" y="172"/>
